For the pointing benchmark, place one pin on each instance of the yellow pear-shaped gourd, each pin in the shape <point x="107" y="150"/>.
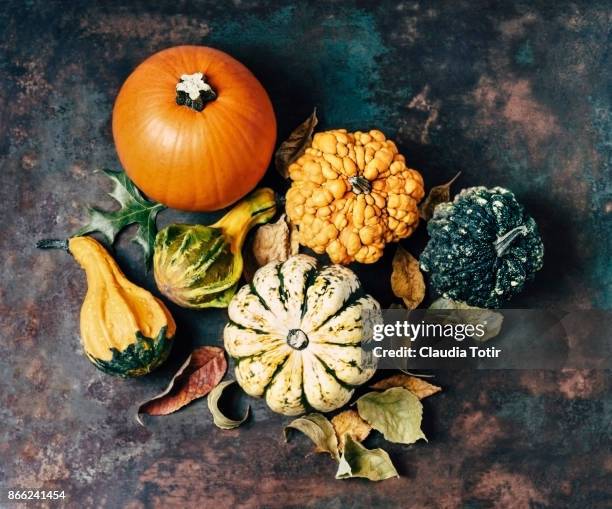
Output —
<point x="125" y="330"/>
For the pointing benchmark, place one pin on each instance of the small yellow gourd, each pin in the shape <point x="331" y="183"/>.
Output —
<point x="125" y="330"/>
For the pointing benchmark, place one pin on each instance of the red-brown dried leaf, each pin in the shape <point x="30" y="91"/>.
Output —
<point x="199" y="374"/>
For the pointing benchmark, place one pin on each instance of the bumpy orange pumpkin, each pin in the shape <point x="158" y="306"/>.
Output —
<point x="352" y="193"/>
<point x="193" y="128"/>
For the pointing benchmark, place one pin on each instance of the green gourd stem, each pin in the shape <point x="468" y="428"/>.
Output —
<point x="257" y="208"/>
<point x="505" y="241"/>
<point x="52" y="244"/>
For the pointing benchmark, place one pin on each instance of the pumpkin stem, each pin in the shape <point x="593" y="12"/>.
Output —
<point x="360" y="185"/>
<point x="297" y="339"/>
<point x="52" y="244"/>
<point x="193" y="91"/>
<point x="505" y="241"/>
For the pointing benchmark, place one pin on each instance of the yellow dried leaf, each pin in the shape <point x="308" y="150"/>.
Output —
<point x="349" y="423"/>
<point x="419" y="387"/>
<point x="318" y="428"/>
<point x="372" y="464"/>
<point x="407" y="280"/>
<point x="396" y="413"/>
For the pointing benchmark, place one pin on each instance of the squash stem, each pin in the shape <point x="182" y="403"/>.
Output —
<point x="505" y="241"/>
<point x="297" y="339"/>
<point x="52" y="244"/>
<point x="360" y="185"/>
<point x="257" y="208"/>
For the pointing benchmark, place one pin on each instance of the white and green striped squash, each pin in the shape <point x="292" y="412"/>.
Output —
<point x="296" y="333"/>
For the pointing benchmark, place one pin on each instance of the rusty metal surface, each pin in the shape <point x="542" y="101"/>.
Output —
<point x="512" y="93"/>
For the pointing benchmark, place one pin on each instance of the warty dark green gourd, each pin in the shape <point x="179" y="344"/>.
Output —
<point x="483" y="247"/>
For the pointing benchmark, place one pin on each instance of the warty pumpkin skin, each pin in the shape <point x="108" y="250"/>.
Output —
<point x="296" y="333"/>
<point x="125" y="330"/>
<point x="352" y="193"/>
<point x="202" y="154"/>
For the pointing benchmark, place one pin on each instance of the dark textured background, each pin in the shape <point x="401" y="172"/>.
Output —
<point x="512" y="93"/>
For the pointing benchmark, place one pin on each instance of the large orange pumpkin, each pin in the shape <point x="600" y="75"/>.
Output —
<point x="193" y="128"/>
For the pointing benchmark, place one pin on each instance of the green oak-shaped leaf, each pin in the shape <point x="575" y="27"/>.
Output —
<point x="357" y="461"/>
<point x="396" y="413"/>
<point x="318" y="428"/>
<point x="134" y="209"/>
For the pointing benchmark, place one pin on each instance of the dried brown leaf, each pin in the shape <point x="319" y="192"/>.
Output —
<point x="407" y="280"/>
<point x="199" y="374"/>
<point x="437" y="194"/>
<point x="349" y="423"/>
<point x="419" y="387"/>
<point x="318" y="428"/>
<point x="452" y="311"/>
<point x="294" y="146"/>
<point x="272" y="242"/>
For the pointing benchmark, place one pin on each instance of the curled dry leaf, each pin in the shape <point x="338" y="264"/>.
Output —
<point x="273" y="242"/>
<point x="396" y="413"/>
<point x="417" y="386"/>
<point x="437" y="195"/>
<point x="460" y="312"/>
<point x="199" y="374"/>
<point x="418" y="375"/>
<point x="406" y="279"/>
<point x="444" y="303"/>
<point x="294" y="146"/>
<point x="219" y="418"/>
<point x="349" y="423"/>
<point x="318" y="428"/>
<point x="357" y="461"/>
